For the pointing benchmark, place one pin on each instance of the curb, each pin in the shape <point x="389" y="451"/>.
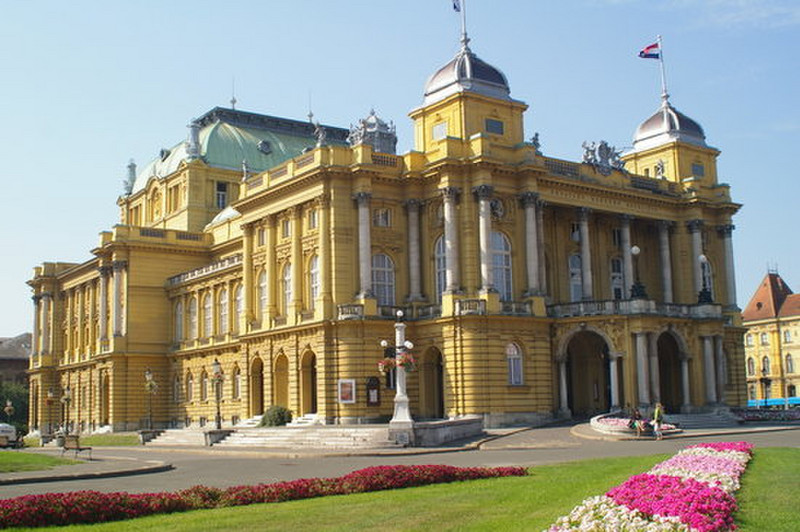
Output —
<point x="155" y="468"/>
<point x="577" y="431"/>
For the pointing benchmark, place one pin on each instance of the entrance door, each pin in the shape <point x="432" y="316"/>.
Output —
<point x="309" y="383"/>
<point x="669" y="372"/>
<point x="432" y="385"/>
<point x="257" y="387"/>
<point x="588" y="382"/>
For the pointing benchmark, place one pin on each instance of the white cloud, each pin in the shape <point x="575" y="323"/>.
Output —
<point x="759" y="14"/>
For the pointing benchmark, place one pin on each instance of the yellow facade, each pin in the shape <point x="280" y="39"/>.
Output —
<point x="514" y="270"/>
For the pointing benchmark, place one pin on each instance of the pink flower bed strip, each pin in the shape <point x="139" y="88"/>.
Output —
<point x="692" y="490"/>
<point x="85" y="507"/>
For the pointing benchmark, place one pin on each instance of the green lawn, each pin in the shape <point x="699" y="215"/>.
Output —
<point x="769" y="488"/>
<point x="12" y="462"/>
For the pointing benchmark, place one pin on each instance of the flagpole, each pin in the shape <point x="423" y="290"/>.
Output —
<point x="464" y="38"/>
<point x="664" y="93"/>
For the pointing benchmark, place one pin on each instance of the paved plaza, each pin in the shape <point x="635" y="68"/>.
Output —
<point x="148" y="469"/>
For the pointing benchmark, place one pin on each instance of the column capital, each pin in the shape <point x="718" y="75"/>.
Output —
<point x="36" y="298"/>
<point x="104" y="270"/>
<point x="323" y="201"/>
<point x="626" y="219"/>
<point x="665" y="224"/>
<point x="412" y="204"/>
<point x="725" y="230"/>
<point x="583" y="213"/>
<point x="529" y="199"/>
<point x="694" y="226"/>
<point x="483" y="192"/>
<point x="362" y="197"/>
<point x="450" y="193"/>
<point x="119" y="265"/>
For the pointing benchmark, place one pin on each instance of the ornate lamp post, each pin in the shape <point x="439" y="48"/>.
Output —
<point x="765" y="384"/>
<point x="637" y="290"/>
<point x="66" y="398"/>
<point x="50" y="400"/>
<point x="151" y="387"/>
<point x="704" y="296"/>
<point x="9" y="410"/>
<point x="216" y="380"/>
<point x="402" y="414"/>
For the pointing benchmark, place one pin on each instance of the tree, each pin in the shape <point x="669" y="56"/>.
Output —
<point x="17" y="394"/>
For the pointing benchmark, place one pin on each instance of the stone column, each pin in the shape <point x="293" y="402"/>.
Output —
<point x="726" y="234"/>
<point x="47" y="300"/>
<point x="35" y="342"/>
<point x="364" y="244"/>
<point x="613" y="381"/>
<point x="452" y="270"/>
<point x="484" y="195"/>
<point x="655" y="383"/>
<point x="414" y="263"/>
<point x="270" y="271"/>
<point x="324" y="262"/>
<point x="586" y="254"/>
<point x="103" y="318"/>
<point x="562" y="386"/>
<point x="248" y="315"/>
<point x="666" y="259"/>
<point x="529" y="200"/>
<point x="540" y="246"/>
<point x="695" y="228"/>
<point x="297" y="259"/>
<point x="686" y="392"/>
<point x="719" y="359"/>
<point x="642" y="367"/>
<point x="709" y="369"/>
<point x="119" y="270"/>
<point x="627" y="256"/>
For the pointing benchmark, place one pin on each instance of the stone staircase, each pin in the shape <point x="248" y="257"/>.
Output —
<point x="700" y="421"/>
<point x="180" y="438"/>
<point x="324" y="437"/>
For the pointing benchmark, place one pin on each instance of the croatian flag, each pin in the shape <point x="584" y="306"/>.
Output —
<point x="457" y="5"/>
<point x="651" y="51"/>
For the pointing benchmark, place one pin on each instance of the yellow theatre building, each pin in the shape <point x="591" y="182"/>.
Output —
<point x="532" y="287"/>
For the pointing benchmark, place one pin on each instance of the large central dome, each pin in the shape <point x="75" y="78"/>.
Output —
<point x="466" y="73"/>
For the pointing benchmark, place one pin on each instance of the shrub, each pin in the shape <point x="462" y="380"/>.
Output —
<point x="276" y="416"/>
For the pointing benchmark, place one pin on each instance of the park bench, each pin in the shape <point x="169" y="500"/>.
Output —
<point x="72" y="442"/>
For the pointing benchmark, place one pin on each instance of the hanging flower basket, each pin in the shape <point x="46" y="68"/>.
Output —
<point x="386" y="365"/>
<point x="406" y="361"/>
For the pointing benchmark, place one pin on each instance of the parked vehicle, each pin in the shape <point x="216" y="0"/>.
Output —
<point x="8" y="436"/>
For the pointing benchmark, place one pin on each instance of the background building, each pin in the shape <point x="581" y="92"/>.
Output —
<point x="772" y="318"/>
<point x="14" y="359"/>
<point x="533" y="287"/>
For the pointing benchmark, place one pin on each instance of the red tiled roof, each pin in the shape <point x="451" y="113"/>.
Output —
<point x="769" y="299"/>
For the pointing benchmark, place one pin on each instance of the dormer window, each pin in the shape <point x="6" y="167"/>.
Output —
<point x="440" y="130"/>
<point x="264" y="147"/>
<point x="164" y="153"/>
<point x="698" y="170"/>
<point x="494" y="126"/>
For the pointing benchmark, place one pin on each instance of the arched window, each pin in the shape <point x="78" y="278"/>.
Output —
<point x="208" y="316"/>
<point x="262" y="294"/>
<point x="575" y="278"/>
<point x="501" y="265"/>
<point x="514" y="360"/>
<point x="236" y="382"/>
<point x="617" y="279"/>
<point x="751" y="366"/>
<point x="765" y="365"/>
<point x="789" y="364"/>
<point x="223" y="311"/>
<point x="748" y="340"/>
<point x="764" y="339"/>
<point x="179" y="321"/>
<point x="193" y="332"/>
<point x="204" y="386"/>
<point x="286" y="287"/>
<point x="707" y="277"/>
<point x="189" y="387"/>
<point x="238" y="302"/>
<point x="313" y="281"/>
<point x="383" y="279"/>
<point x="440" y="277"/>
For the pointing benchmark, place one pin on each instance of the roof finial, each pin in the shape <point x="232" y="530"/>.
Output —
<point x="233" y="93"/>
<point x="460" y="6"/>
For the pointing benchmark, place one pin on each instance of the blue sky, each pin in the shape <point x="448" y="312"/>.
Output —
<point x="88" y="85"/>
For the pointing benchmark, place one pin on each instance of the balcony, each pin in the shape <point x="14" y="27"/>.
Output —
<point x="633" y="307"/>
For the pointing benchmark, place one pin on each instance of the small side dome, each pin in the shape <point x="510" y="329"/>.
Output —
<point x="228" y="213"/>
<point x="666" y="125"/>
<point x="466" y="73"/>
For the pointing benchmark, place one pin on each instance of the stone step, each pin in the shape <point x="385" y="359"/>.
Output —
<point x="702" y="421"/>
<point x="180" y="437"/>
<point x="310" y="437"/>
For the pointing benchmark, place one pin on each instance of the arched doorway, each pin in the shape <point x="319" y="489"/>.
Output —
<point x="669" y="372"/>
<point x="280" y="381"/>
<point x="431" y="379"/>
<point x="588" y="379"/>
<point x="257" y="387"/>
<point x="308" y="380"/>
<point x="105" y="398"/>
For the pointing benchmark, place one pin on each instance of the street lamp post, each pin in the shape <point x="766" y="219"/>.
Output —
<point x="765" y="383"/>
<point x="150" y="387"/>
<point x="704" y="296"/>
<point x="9" y="410"/>
<point x="216" y="379"/>
<point x="66" y="397"/>
<point x="637" y="290"/>
<point x="402" y="413"/>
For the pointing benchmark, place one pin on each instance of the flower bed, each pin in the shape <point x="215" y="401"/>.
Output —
<point x="621" y="426"/>
<point x="86" y="507"/>
<point x="762" y="414"/>
<point x="692" y="490"/>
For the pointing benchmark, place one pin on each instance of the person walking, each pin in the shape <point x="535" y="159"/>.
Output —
<point x="637" y="421"/>
<point x="658" y="419"/>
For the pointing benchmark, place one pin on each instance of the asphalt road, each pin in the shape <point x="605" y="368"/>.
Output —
<point x="222" y="468"/>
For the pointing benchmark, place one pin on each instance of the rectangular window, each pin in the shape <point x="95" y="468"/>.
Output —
<point x="440" y="130"/>
<point x="575" y="232"/>
<point x="222" y="195"/>
<point x="616" y="237"/>
<point x="787" y="336"/>
<point x="698" y="170"/>
<point x="312" y="219"/>
<point x="749" y="340"/>
<point x="494" y="126"/>
<point x="286" y="228"/>
<point x="647" y="172"/>
<point x="382" y="218"/>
